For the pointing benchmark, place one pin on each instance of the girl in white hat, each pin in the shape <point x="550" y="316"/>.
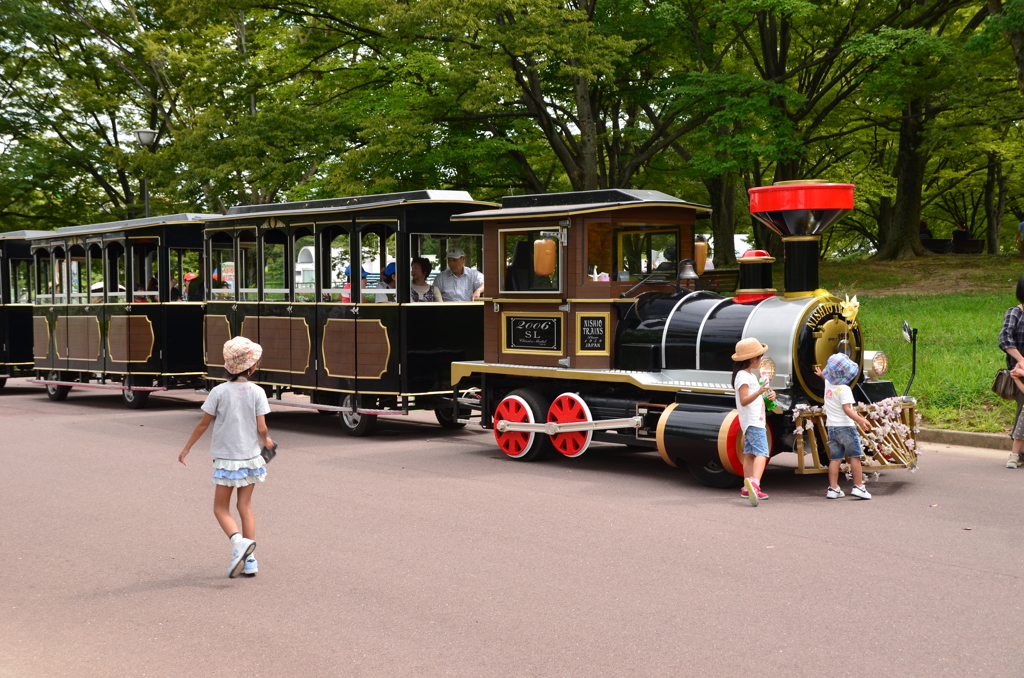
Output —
<point x="750" y="406"/>
<point x="237" y="409"/>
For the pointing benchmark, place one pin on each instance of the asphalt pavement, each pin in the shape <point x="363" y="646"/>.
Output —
<point x="421" y="551"/>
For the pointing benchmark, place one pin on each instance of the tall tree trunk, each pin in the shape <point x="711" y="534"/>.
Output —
<point x="722" y="190"/>
<point x="588" y="135"/>
<point x="884" y="219"/>
<point x="904" y="236"/>
<point x="995" y="201"/>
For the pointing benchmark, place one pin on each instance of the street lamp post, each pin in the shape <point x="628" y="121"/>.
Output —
<point x="146" y="139"/>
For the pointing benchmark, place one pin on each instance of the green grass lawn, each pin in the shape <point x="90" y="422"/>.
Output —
<point x="957" y="354"/>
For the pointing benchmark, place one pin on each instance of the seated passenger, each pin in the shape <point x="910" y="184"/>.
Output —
<point x="457" y="282"/>
<point x="387" y="282"/>
<point x="346" y="296"/>
<point x="420" y="289"/>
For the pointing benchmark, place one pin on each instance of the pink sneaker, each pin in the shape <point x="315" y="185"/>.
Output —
<point x="750" y="491"/>
<point x="760" y="493"/>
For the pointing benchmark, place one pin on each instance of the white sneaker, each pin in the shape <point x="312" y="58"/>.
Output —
<point x="1014" y="461"/>
<point x="250" y="568"/>
<point x="860" y="492"/>
<point x="834" y="493"/>
<point x="241" y="549"/>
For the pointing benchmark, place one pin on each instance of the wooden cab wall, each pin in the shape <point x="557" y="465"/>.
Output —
<point x="570" y="318"/>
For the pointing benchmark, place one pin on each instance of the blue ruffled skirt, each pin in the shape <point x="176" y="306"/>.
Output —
<point x="235" y="473"/>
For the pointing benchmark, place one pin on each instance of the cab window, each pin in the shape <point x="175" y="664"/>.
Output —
<point x="530" y="259"/>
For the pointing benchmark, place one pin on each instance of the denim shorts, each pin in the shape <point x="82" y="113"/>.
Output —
<point x="844" y="441"/>
<point x="755" y="441"/>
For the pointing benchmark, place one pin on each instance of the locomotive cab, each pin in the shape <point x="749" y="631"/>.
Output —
<point x="595" y="328"/>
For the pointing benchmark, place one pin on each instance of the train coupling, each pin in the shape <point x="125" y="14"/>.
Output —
<point x="552" y="428"/>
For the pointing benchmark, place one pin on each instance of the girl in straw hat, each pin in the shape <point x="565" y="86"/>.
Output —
<point x="237" y="409"/>
<point x="750" y="405"/>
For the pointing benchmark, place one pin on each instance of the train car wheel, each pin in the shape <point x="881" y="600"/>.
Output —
<point x="446" y="420"/>
<point x="356" y="423"/>
<point x="54" y="392"/>
<point x="713" y="474"/>
<point x="565" y="409"/>
<point x="135" y="400"/>
<point x="522" y="406"/>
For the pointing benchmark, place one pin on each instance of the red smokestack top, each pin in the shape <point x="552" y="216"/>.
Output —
<point x="800" y="211"/>
<point x="800" y="207"/>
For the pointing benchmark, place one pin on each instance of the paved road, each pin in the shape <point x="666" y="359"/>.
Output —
<point x="423" y="552"/>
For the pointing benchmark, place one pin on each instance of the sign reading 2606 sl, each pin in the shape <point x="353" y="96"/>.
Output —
<point x="533" y="333"/>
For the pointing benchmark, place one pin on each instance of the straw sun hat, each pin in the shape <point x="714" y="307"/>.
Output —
<point x="748" y="348"/>
<point x="240" y="354"/>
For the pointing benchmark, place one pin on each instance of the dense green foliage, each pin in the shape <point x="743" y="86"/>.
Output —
<point x="266" y="100"/>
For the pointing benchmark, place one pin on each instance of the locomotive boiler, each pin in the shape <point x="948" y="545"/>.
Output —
<point x="597" y="329"/>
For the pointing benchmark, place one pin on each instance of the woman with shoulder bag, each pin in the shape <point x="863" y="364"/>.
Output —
<point x="1011" y="340"/>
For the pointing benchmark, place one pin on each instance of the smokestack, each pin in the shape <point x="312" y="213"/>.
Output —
<point x="800" y="211"/>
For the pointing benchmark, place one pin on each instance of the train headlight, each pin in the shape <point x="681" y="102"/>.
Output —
<point x="767" y="369"/>
<point x="877" y="363"/>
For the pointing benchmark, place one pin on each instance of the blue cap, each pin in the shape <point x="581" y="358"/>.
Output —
<point x="389" y="269"/>
<point x="349" y="268"/>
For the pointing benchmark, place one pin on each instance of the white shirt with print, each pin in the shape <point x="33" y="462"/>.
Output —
<point x="235" y="406"/>
<point x="752" y="414"/>
<point x="835" y="398"/>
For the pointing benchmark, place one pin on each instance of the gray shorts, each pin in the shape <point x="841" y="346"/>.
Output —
<point x="844" y="441"/>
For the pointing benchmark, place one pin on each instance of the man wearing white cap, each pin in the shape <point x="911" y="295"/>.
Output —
<point x="458" y="283"/>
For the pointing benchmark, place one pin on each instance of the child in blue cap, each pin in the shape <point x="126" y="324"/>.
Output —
<point x="841" y="421"/>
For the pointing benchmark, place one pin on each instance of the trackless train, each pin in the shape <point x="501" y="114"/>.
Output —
<point x="591" y="326"/>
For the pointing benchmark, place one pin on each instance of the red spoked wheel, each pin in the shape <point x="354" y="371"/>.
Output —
<point x="569" y="408"/>
<point x="515" y="444"/>
<point x="522" y="406"/>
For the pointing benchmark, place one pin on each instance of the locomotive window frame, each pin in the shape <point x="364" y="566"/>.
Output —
<point x="504" y="260"/>
<point x="211" y="293"/>
<point x="616" y="228"/>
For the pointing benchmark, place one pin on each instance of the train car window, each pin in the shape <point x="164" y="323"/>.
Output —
<point x="44" y="277"/>
<point x="60" y="277"/>
<point x="222" y="268"/>
<point x="630" y="252"/>
<point x="334" y="259"/>
<point x="95" y="256"/>
<point x="184" y="262"/>
<point x="21" y="282"/>
<point x="530" y="260"/>
<point x="248" y="266"/>
<point x="78" y="281"/>
<point x="304" y="247"/>
<point x="377" y="249"/>
<point x="144" y="272"/>
<point x="275" y="266"/>
<point x="116" y="278"/>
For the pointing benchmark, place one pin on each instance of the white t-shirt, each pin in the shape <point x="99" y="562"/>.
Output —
<point x="235" y="406"/>
<point x="752" y="414"/>
<point x="835" y="398"/>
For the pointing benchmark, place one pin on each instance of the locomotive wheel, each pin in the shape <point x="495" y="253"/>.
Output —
<point x="355" y="423"/>
<point x="522" y="406"/>
<point x="570" y="408"/>
<point x="54" y="392"/>
<point x="135" y="400"/>
<point x="445" y="419"/>
<point x="713" y="474"/>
